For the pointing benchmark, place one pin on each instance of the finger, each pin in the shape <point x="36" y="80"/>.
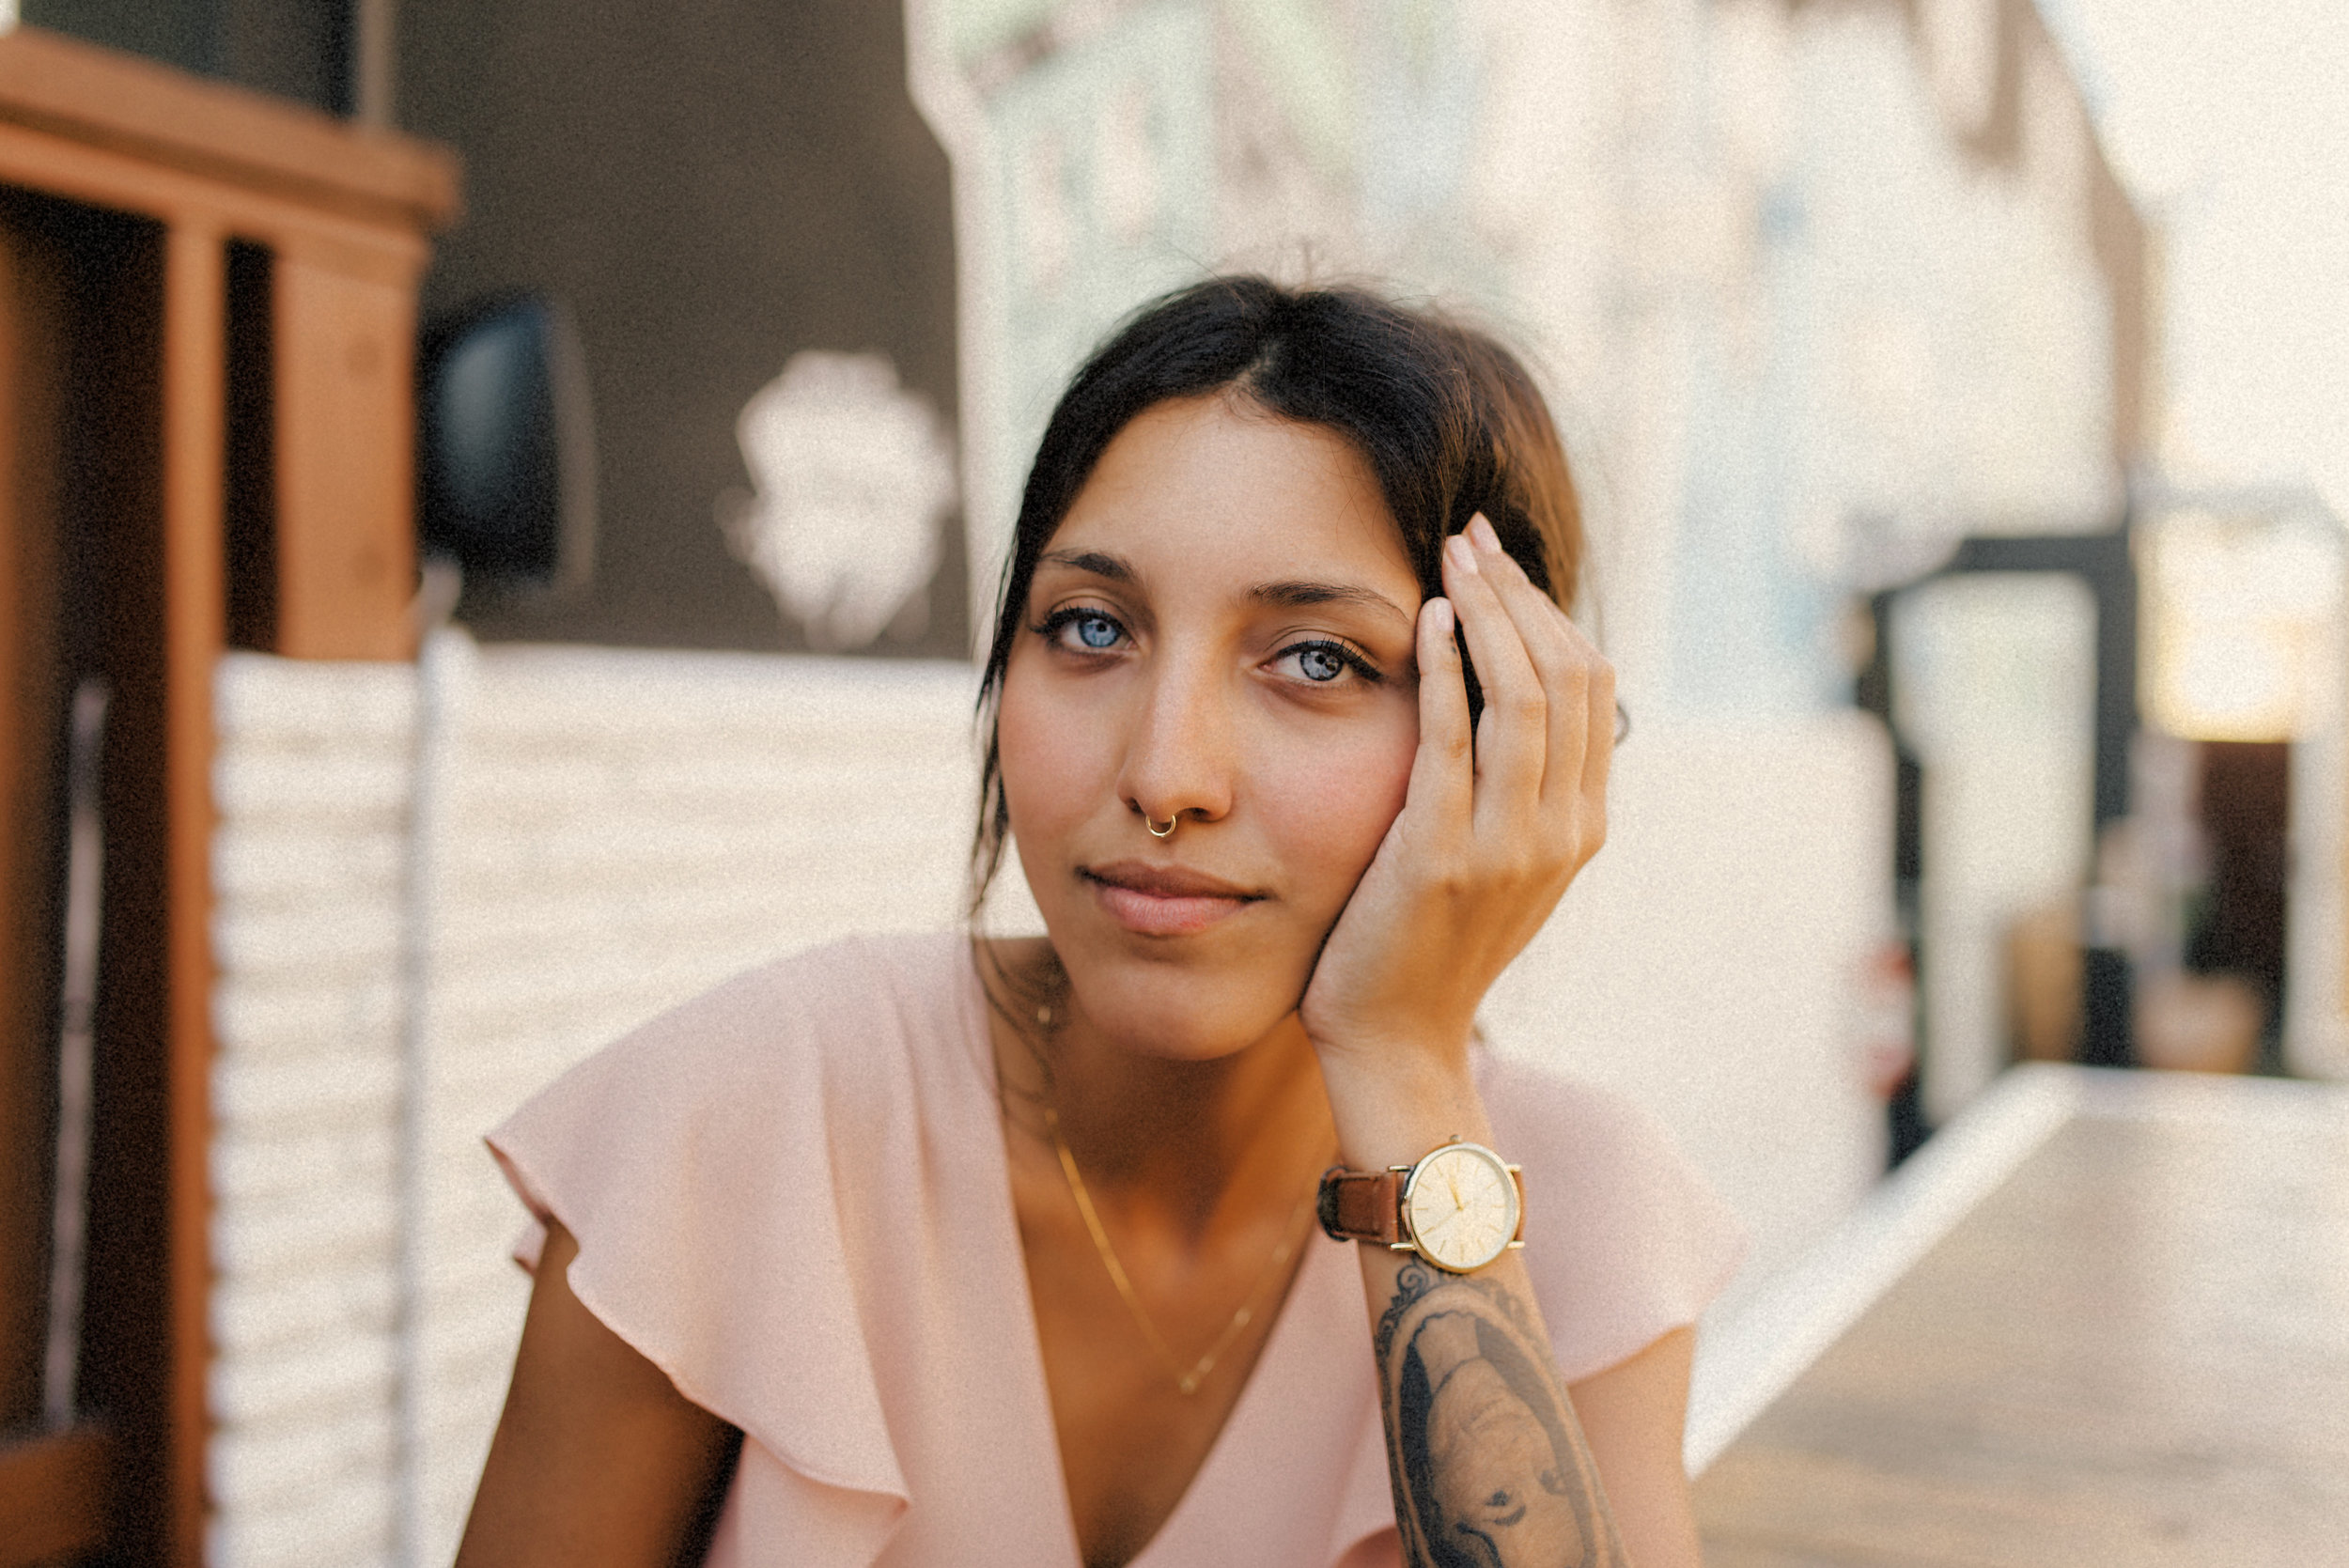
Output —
<point x="1582" y="710"/>
<point x="1561" y="658"/>
<point x="1511" y="737"/>
<point x="1442" y="772"/>
<point x="1600" y="759"/>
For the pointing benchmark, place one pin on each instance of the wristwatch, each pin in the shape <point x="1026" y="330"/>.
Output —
<point x="1460" y="1207"/>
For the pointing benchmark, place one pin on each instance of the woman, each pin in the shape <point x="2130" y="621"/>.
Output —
<point x="929" y="1250"/>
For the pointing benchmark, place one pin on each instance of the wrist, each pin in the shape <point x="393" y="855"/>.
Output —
<point x="1397" y="1109"/>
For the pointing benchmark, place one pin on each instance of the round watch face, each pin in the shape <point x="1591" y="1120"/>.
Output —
<point x="1462" y="1206"/>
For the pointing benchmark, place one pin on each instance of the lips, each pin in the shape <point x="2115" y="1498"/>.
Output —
<point x="1164" y="900"/>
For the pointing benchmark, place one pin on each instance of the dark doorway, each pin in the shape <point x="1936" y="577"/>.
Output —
<point x="2246" y="821"/>
<point x="2104" y="563"/>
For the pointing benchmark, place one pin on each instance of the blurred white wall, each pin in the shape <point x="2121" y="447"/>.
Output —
<point x="313" y="783"/>
<point x="1706" y="964"/>
<point x="2316" y="902"/>
<point x="1999" y="698"/>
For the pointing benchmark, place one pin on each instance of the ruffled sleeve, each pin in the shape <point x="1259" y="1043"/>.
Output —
<point x="667" y="1155"/>
<point x="1625" y="1242"/>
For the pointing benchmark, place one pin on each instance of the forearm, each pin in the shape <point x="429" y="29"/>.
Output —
<point x="597" y="1459"/>
<point x="1490" y="1465"/>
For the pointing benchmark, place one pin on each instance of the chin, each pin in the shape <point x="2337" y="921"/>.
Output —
<point x="1180" y="1011"/>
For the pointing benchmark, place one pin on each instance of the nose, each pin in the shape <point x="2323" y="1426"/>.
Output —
<point x="1180" y="760"/>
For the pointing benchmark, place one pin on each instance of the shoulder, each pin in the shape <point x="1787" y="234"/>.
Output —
<point x="1590" y="1151"/>
<point x="836" y="1005"/>
<point x="1625" y="1240"/>
<point x="749" y="1077"/>
<point x="701" y="1162"/>
<point x="852" y="981"/>
<point x="1565" y="1116"/>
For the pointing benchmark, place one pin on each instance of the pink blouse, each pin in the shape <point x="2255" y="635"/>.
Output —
<point x="792" y="1196"/>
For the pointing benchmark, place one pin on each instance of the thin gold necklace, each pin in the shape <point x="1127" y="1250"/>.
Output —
<point x="1188" y="1379"/>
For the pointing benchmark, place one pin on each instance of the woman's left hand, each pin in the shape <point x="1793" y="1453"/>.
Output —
<point x="1494" y="826"/>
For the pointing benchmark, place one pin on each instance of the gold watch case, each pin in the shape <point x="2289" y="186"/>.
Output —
<point x="1461" y="1207"/>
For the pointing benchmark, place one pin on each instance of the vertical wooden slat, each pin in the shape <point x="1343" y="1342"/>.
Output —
<point x="22" y="1079"/>
<point x="194" y="385"/>
<point x="53" y="1498"/>
<point x="29" y="687"/>
<point x="344" y="342"/>
<point x="152" y="172"/>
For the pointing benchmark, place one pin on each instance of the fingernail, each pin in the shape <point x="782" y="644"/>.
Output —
<point x="1481" y="531"/>
<point x="1462" y="556"/>
<point x="1439" y="616"/>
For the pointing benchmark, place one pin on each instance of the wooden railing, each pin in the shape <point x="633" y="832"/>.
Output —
<point x="207" y="324"/>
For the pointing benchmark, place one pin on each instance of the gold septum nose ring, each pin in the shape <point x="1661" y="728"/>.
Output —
<point x="1156" y="832"/>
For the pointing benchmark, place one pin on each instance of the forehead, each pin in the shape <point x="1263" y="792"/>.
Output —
<point x="1216" y="485"/>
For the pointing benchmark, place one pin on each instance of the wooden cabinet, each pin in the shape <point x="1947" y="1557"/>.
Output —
<point x="206" y="323"/>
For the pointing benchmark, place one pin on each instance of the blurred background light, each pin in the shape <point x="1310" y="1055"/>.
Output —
<point x="2235" y="631"/>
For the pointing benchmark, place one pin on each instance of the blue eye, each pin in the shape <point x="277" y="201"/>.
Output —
<point x="1325" y="663"/>
<point x="1081" y="630"/>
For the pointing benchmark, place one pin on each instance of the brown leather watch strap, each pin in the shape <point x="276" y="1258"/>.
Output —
<point x="1367" y="1205"/>
<point x="1361" y="1206"/>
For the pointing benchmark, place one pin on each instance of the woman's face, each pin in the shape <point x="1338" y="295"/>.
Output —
<point x="1221" y="631"/>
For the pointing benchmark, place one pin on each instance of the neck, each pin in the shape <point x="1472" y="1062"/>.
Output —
<point x="1175" y="1135"/>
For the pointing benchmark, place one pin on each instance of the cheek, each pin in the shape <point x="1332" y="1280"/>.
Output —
<point x="1328" y="800"/>
<point x="1052" y="760"/>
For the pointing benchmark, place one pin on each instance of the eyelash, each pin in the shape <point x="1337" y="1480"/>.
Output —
<point x="1346" y="655"/>
<point x="1060" y="620"/>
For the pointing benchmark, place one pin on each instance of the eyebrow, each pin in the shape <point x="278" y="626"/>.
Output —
<point x="1290" y="594"/>
<point x="1297" y="596"/>
<point x="1114" y="567"/>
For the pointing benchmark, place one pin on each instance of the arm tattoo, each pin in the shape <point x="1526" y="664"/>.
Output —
<point x="1487" y="1460"/>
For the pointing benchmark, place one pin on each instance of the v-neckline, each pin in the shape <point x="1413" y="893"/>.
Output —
<point x="1249" y="1412"/>
<point x="1035" y="1388"/>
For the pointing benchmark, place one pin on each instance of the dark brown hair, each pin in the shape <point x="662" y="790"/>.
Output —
<point x="1448" y="419"/>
